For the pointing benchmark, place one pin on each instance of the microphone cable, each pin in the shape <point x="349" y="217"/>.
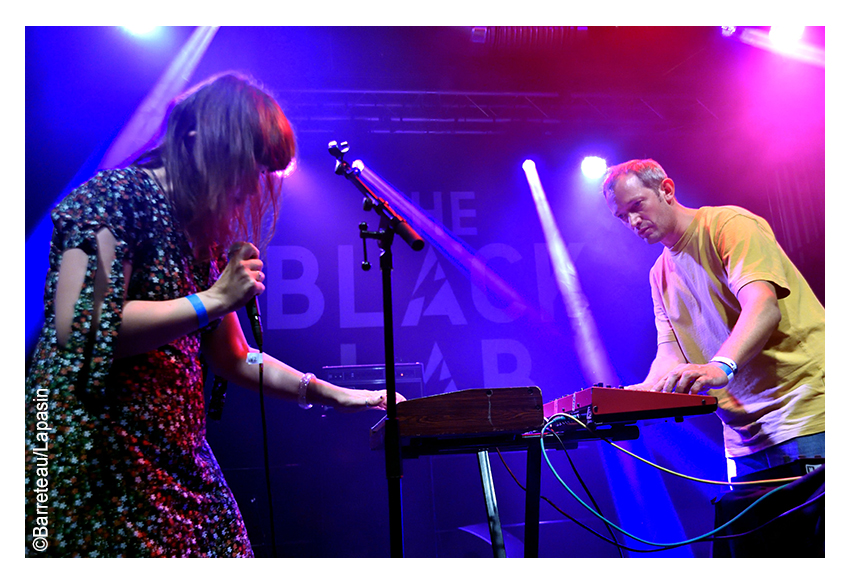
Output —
<point x="253" y="310"/>
<point x="257" y="328"/>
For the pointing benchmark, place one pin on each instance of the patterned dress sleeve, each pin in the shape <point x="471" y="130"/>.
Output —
<point x="107" y="201"/>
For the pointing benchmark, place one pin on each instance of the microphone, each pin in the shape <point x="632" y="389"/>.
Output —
<point x="256" y="324"/>
<point x="252" y="307"/>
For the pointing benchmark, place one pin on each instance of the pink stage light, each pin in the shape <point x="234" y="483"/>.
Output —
<point x="795" y="49"/>
<point x="286" y="172"/>
<point x="786" y="37"/>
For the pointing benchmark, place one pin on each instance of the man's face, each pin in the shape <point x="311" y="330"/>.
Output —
<point x="643" y="210"/>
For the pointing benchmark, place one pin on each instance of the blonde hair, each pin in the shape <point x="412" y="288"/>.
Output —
<point x="649" y="172"/>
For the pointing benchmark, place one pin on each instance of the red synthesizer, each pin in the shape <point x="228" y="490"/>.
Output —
<point x="603" y="404"/>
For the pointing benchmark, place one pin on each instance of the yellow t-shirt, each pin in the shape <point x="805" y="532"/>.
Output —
<point x="779" y="394"/>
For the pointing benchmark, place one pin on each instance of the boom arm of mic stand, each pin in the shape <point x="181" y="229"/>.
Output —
<point x="396" y="222"/>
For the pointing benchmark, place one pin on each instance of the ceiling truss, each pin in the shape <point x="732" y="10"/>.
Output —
<point x="455" y="112"/>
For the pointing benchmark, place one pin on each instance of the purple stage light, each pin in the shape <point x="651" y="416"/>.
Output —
<point x="146" y="122"/>
<point x="141" y="30"/>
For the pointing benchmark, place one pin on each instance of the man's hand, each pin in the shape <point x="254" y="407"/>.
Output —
<point x="691" y="378"/>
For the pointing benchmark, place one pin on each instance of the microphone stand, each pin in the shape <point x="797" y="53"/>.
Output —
<point x="390" y="224"/>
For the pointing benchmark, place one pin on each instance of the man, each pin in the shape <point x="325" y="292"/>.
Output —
<point x="734" y="318"/>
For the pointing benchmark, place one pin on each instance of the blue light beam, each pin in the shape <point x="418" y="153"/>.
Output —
<point x="592" y="357"/>
<point x="639" y="495"/>
<point x="139" y="132"/>
<point x="452" y="247"/>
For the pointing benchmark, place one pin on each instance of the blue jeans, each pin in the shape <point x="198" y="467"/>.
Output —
<point x="802" y="447"/>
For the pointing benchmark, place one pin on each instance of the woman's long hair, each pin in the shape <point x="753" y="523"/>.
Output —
<point x="224" y="140"/>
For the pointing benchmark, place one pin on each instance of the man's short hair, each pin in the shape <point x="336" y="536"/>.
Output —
<point x="647" y="170"/>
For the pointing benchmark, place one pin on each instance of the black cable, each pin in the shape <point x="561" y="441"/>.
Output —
<point x="706" y="538"/>
<point x="559" y="510"/>
<point x="589" y="495"/>
<point x="660" y="548"/>
<point x="266" y="455"/>
<point x="771" y="520"/>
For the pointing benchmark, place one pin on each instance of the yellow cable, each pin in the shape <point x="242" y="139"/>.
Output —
<point x="762" y="482"/>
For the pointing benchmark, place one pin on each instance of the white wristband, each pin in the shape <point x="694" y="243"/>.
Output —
<point x="728" y="364"/>
<point x="302" y="390"/>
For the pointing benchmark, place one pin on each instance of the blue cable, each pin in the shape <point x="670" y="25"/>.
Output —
<point x="623" y="531"/>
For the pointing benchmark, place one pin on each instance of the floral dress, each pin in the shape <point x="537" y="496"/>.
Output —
<point x="117" y="462"/>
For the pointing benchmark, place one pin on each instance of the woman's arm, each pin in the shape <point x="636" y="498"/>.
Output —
<point x="226" y="351"/>
<point x="72" y="274"/>
<point x="146" y="325"/>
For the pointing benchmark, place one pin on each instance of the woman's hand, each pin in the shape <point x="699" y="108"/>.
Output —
<point x="241" y="280"/>
<point x="349" y="400"/>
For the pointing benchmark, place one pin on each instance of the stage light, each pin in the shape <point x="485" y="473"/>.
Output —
<point x="147" y="119"/>
<point x="286" y="172"/>
<point x="728" y="31"/>
<point x="142" y="30"/>
<point x="452" y="247"/>
<point x="479" y="34"/>
<point x="786" y="36"/>
<point x="785" y="40"/>
<point x="592" y="357"/>
<point x="593" y="167"/>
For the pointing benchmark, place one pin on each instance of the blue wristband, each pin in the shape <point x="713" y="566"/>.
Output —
<point x="726" y="369"/>
<point x="200" y="310"/>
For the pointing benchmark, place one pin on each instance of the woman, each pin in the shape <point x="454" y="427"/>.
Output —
<point x="140" y="288"/>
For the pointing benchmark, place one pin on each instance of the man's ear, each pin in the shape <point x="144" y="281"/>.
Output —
<point x="667" y="190"/>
